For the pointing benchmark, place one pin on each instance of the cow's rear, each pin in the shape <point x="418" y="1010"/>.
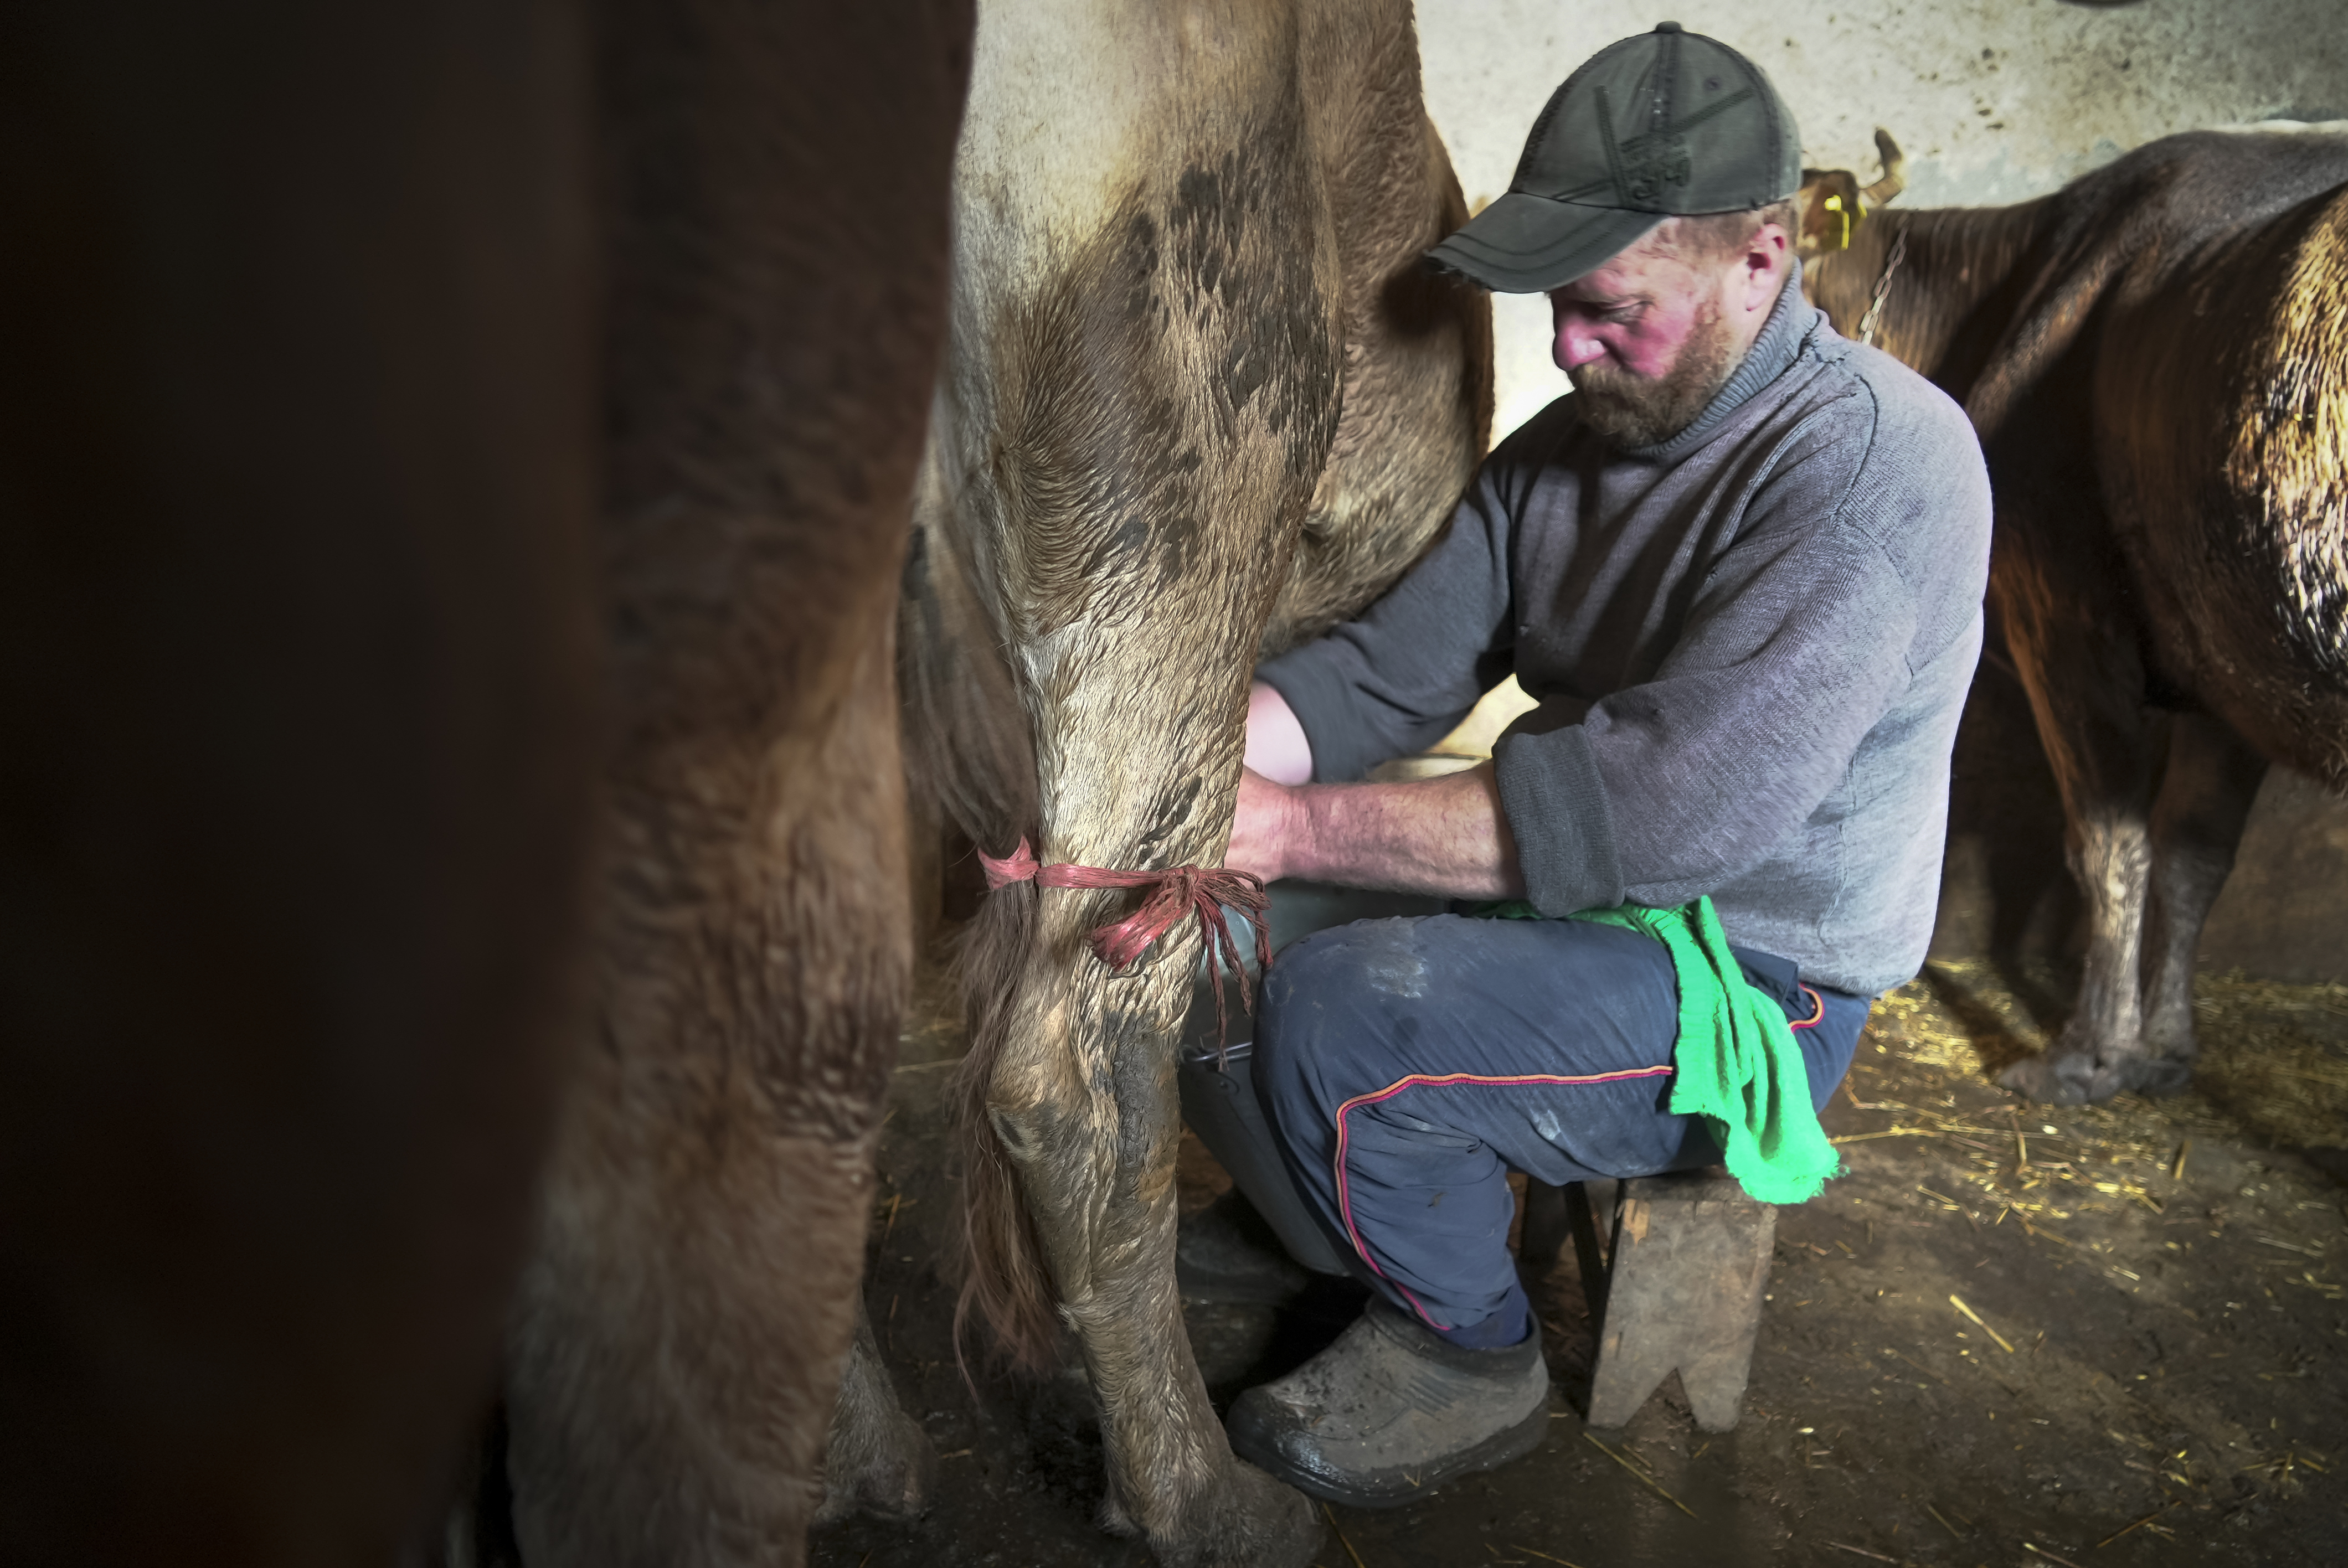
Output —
<point x="2225" y="448"/>
<point x="1192" y="346"/>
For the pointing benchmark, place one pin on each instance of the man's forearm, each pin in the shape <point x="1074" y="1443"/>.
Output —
<point x="1443" y="836"/>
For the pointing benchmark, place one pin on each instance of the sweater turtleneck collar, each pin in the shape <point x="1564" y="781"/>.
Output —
<point x="1779" y="344"/>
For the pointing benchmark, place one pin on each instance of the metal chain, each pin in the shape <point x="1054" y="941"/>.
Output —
<point x="1867" y="322"/>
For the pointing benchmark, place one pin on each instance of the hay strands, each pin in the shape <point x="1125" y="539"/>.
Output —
<point x="2331" y="1292"/>
<point x="1640" y="1473"/>
<point x="1341" y="1537"/>
<point x="2278" y="1467"/>
<point x="1958" y="1303"/>
<point x="2039" y="1230"/>
<point x="1534" y="1552"/>
<point x="1886" y="1133"/>
<point x="2139" y="1524"/>
<point x="2042" y="1551"/>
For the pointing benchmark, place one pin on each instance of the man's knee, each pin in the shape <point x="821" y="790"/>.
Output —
<point x="1332" y="978"/>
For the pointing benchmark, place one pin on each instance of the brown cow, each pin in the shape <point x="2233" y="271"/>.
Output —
<point x="2157" y="363"/>
<point x="297" y="685"/>
<point x="1201" y="399"/>
<point x="309" y="391"/>
<point x="776" y="220"/>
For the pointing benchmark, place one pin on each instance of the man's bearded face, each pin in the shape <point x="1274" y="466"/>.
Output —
<point x="1632" y="410"/>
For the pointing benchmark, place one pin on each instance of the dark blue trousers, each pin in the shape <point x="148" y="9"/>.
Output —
<point x="1406" y="1066"/>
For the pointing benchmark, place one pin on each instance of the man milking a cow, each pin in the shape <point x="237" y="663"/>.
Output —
<point x="1741" y="570"/>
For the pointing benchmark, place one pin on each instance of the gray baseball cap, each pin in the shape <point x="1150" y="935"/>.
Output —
<point x="1670" y="122"/>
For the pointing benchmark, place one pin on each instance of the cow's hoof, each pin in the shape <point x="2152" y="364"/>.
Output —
<point x="2155" y="1075"/>
<point x="888" y="1470"/>
<point x="2052" y="1079"/>
<point x="1257" y="1522"/>
<point x="1113" y="1520"/>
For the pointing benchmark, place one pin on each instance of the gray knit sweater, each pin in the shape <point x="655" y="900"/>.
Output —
<point x="1750" y="646"/>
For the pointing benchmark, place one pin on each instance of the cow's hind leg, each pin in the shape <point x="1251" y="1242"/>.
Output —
<point x="2080" y="663"/>
<point x="774" y="182"/>
<point x="1107" y="1225"/>
<point x="678" y="1338"/>
<point x="2213" y="777"/>
<point x="877" y="1460"/>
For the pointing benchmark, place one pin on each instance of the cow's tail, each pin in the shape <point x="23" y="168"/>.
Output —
<point x="970" y="760"/>
<point x="1004" y="1276"/>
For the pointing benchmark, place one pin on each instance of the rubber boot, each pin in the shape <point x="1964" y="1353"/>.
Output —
<point x="1392" y="1411"/>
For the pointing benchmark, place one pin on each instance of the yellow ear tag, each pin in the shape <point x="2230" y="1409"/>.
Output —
<point x="1834" y="204"/>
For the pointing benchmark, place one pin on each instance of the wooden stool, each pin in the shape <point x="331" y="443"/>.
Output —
<point x="1679" y="1288"/>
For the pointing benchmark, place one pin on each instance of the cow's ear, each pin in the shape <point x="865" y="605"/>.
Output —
<point x="1830" y="211"/>
<point x="1834" y="202"/>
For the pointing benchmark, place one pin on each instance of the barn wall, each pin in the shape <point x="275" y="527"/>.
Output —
<point x="1994" y="101"/>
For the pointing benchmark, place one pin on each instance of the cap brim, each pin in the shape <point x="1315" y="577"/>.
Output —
<point x="1524" y="244"/>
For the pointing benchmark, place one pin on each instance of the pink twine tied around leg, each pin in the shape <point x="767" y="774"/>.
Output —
<point x="1177" y="891"/>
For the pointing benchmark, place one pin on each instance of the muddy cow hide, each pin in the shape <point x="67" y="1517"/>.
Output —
<point x="1201" y="401"/>
<point x="326" y="333"/>
<point x="297" y="687"/>
<point x="2156" y="362"/>
<point x="774" y="188"/>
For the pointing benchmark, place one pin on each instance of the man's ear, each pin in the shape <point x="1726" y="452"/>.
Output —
<point x="1768" y="256"/>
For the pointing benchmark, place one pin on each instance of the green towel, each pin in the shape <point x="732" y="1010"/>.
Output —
<point x="1735" y="1062"/>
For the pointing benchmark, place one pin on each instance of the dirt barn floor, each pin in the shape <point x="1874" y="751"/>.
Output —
<point x="2148" y="1366"/>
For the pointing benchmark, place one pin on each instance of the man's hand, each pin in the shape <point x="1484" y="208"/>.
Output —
<point x="1445" y="835"/>
<point x="1258" y="832"/>
<point x="1441" y="836"/>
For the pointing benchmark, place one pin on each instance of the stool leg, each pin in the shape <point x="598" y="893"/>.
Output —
<point x="1691" y="1257"/>
<point x="1546" y="1226"/>
<point x="1588" y="1252"/>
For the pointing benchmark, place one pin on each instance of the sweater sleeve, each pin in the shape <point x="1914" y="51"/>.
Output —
<point x="1842" y="579"/>
<point x="1403" y="674"/>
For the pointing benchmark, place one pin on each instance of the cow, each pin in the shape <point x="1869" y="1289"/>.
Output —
<point x="298" y="678"/>
<point x="1201" y="399"/>
<point x="2157" y="367"/>
<point x="443" y="440"/>
<point x="775" y="221"/>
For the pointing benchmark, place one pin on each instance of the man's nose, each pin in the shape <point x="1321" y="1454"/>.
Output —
<point x="1576" y="346"/>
